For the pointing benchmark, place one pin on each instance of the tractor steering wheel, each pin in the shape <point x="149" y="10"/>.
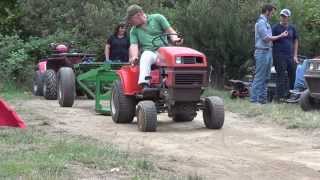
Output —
<point x="163" y="37"/>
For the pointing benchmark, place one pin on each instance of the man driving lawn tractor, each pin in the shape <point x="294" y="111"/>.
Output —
<point x="145" y="28"/>
<point x="174" y="85"/>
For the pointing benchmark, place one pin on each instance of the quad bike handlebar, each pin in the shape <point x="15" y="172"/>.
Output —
<point x="163" y="37"/>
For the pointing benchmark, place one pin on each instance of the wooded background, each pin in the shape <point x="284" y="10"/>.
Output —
<point x="222" y="29"/>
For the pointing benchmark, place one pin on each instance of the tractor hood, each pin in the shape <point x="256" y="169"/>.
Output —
<point x="179" y="51"/>
<point x="181" y="56"/>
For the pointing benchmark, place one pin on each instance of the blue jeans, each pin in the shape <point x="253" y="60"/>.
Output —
<point x="259" y="86"/>
<point x="299" y="83"/>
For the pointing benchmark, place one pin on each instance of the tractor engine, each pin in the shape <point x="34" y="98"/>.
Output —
<point x="185" y="76"/>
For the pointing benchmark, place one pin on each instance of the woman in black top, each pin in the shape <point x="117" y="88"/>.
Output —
<point x="117" y="47"/>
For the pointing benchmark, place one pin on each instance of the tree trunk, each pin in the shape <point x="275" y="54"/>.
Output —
<point x="216" y="74"/>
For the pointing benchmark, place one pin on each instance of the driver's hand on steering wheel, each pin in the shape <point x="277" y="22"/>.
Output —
<point x="176" y="40"/>
<point x="133" y="60"/>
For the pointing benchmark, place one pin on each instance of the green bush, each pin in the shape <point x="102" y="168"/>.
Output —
<point x="14" y="59"/>
<point x="91" y="22"/>
<point x="223" y="30"/>
<point x="19" y="57"/>
<point x="9" y="16"/>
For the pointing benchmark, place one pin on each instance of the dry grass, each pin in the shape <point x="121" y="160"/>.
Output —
<point x="33" y="154"/>
<point x="36" y="153"/>
<point x="289" y="115"/>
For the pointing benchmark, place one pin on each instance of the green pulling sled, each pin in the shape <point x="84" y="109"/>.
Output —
<point x="93" y="80"/>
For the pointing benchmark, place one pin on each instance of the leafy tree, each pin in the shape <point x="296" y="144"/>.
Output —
<point x="9" y="17"/>
<point x="223" y="30"/>
<point x="19" y="57"/>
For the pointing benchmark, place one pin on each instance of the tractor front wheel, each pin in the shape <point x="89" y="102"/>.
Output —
<point x="37" y="84"/>
<point x="50" y="85"/>
<point x="147" y="116"/>
<point x="213" y="113"/>
<point x="66" y="87"/>
<point x="122" y="106"/>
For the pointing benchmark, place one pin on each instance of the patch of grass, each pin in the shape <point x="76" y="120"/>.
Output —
<point x="31" y="154"/>
<point x="290" y="115"/>
<point x="11" y="92"/>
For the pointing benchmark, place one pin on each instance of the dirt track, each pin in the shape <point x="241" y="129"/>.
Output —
<point x="243" y="149"/>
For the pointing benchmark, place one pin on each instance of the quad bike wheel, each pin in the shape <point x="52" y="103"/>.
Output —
<point x="122" y="106"/>
<point x="37" y="84"/>
<point x="213" y="113"/>
<point x="147" y="116"/>
<point x="50" y="85"/>
<point x="306" y="101"/>
<point x="66" y="87"/>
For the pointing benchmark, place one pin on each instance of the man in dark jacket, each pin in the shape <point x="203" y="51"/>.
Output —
<point x="285" y="54"/>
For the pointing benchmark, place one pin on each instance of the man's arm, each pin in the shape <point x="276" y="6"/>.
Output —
<point x="174" y="38"/>
<point x="295" y="45"/>
<point x="168" y="29"/>
<point x="107" y="51"/>
<point x="262" y="30"/>
<point x="133" y="53"/>
<point x="274" y="38"/>
<point x="295" y="51"/>
<point x="134" y="46"/>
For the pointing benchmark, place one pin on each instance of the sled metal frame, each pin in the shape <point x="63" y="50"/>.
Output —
<point x="96" y="80"/>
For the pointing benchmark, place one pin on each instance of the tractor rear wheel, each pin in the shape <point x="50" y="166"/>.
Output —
<point x="147" y="116"/>
<point x="306" y="101"/>
<point x="37" y="84"/>
<point x="50" y="85"/>
<point x="213" y="113"/>
<point x="122" y="106"/>
<point x="66" y="87"/>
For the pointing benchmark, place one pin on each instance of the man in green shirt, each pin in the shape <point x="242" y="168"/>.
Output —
<point x="145" y="28"/>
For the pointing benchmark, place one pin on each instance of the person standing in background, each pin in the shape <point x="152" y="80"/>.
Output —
<point x="285" y="54"/>
<point x="263" y="54"/>
<point x="117" y="47"/>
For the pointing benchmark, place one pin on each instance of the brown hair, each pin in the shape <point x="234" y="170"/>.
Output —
<point x="268" y="7"/>
<point x="116" y="29"/>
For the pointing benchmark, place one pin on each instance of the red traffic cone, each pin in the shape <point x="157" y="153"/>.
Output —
<point x="8" y="117"/>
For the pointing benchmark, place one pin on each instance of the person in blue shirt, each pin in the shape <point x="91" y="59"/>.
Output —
<point x="263" y="54"/>
<point x="299" y="83"/>
<point x="285" y="54"/>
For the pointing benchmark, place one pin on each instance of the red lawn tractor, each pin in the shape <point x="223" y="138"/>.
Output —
<point x="177" y="81"/>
